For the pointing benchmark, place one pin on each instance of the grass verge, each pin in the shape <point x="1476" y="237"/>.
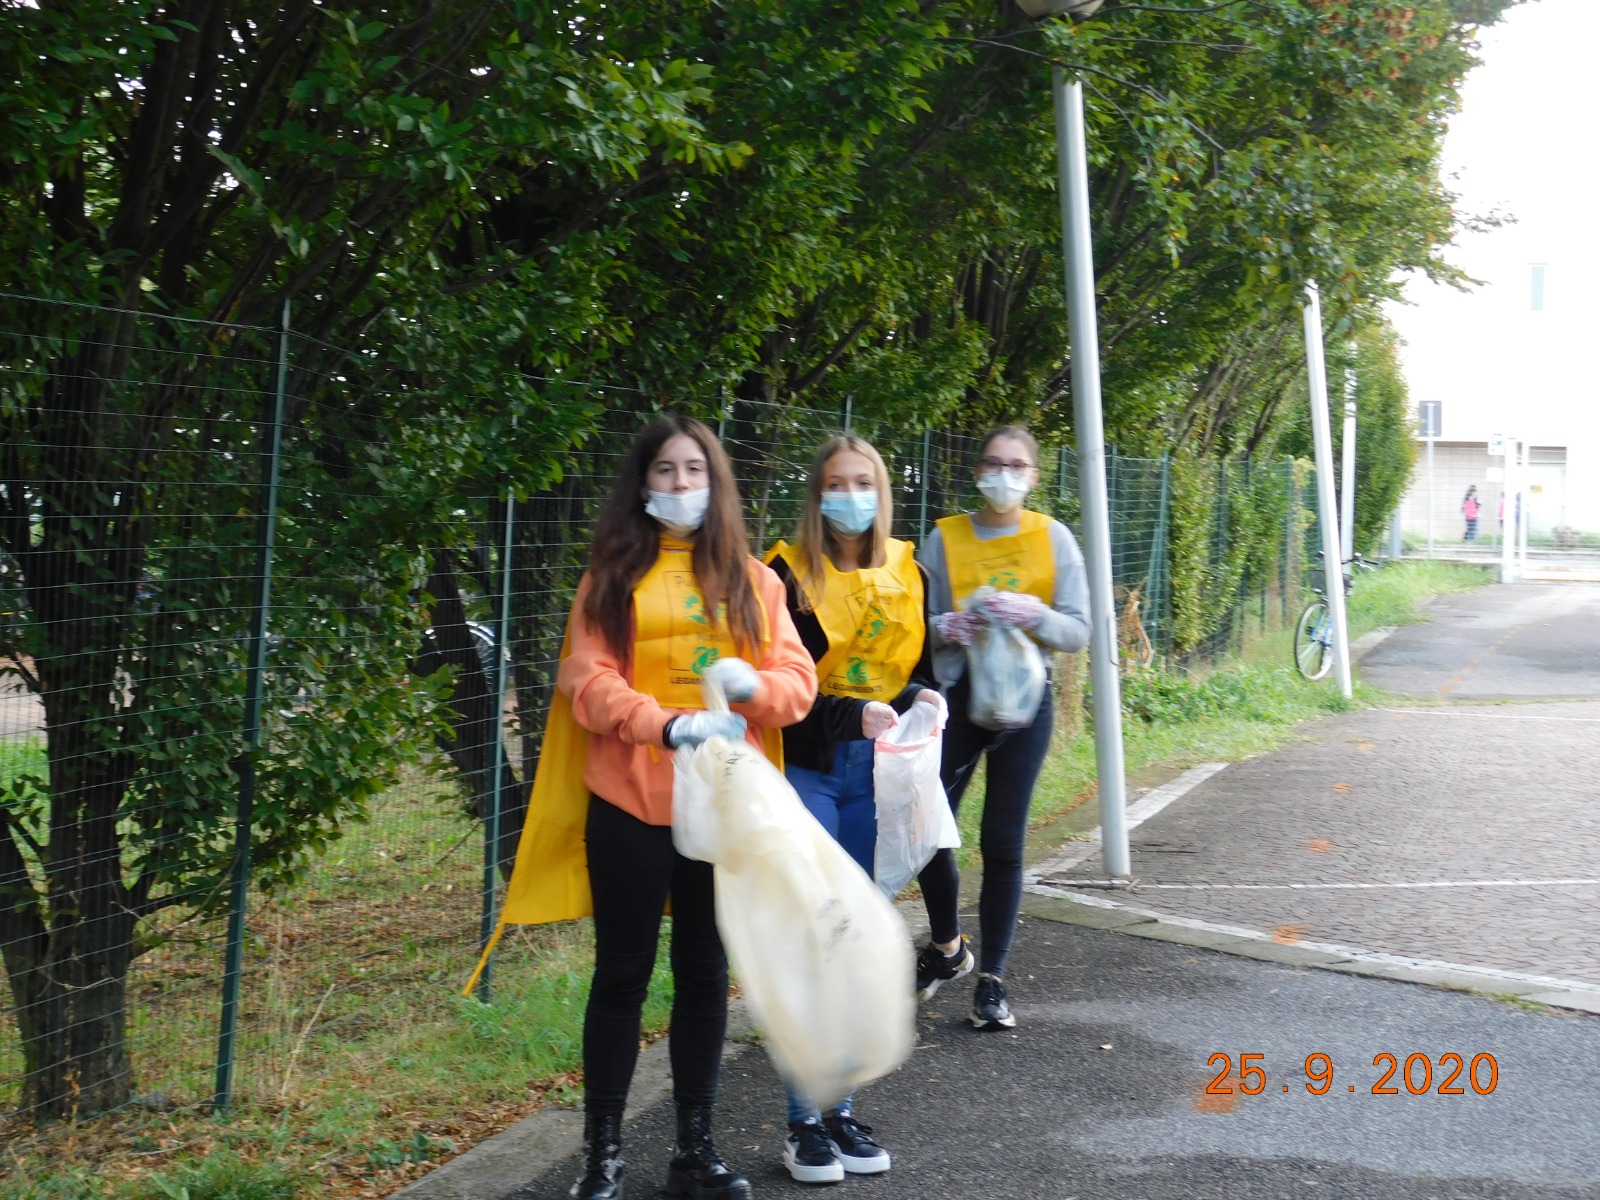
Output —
<point x="360" y="1063"/>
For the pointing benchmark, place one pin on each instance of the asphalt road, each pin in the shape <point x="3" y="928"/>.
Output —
<point x="1520" y="641"/>
<point x="1100" y="1092"/>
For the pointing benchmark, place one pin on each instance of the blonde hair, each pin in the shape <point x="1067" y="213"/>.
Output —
<point x="814" y="537"/>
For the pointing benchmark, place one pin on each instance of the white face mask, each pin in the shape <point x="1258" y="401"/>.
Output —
<point x="850" y="513"/>
<point x="680" y="512"/>
<point x="1004" y="490"/>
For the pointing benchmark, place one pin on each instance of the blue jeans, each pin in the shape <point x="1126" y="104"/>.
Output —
<point x="842" y="802"/>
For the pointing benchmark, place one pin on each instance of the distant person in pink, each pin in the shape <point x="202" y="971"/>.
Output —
<point x="1470" y="509"/>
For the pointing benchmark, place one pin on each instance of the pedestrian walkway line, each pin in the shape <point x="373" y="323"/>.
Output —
<point x="1353" y="954"/>
<point x="1490" y="716"/>
<point x="1137" y="886"/>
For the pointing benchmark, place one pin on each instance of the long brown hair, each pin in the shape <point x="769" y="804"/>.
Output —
<point x="627" y="541"/>
<point x="1010" y="431"/>
<point x="814" y="537"/>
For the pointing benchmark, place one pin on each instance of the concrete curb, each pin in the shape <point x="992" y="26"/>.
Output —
<point x="502" y="1165"/>
<point x="1094" y="912"/>
<point x="1370" y="641"/>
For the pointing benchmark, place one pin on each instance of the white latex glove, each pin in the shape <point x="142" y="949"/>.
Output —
<point x="693" y="728"/>
<point x="1014" y="608"/>
<point x="877" y="719"/>
<point x="931" y="697"/>
<point x="737" y="678"/>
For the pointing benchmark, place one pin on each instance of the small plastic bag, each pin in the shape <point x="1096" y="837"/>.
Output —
<point x="824" y="960"/>
<point x="1007" y="673"/>
<point x="914" y="817"/>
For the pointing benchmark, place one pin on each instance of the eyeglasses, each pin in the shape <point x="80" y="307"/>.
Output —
<point x="996" y="464"/>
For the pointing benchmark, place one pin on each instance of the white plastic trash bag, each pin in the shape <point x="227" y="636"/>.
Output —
<point x="914" y="817"/>
<point x="1007" y="673"/>
<point x="824" y="960"/>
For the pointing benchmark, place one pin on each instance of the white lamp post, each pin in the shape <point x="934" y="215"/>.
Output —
<point x="1347" y="469"/>
<point x="1072" y="163"/>
<point x="1327" y="506"/>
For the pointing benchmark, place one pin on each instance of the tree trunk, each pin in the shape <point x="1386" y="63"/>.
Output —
<point x="71" y="1016"/>
<point x="67" y="950"/>
<point x="67" y="953"/>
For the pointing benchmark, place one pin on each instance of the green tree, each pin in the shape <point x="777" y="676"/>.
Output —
<point x="213" y="161"/>
<point x="791" y="202"/>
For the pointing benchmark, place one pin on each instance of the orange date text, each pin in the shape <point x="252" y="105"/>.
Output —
<point x="1447" y="1074"/>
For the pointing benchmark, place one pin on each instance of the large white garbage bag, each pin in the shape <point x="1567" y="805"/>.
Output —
<point x="1007" y="673"/>
<point x="824" y="960"/>
<point x="914" y="817"/>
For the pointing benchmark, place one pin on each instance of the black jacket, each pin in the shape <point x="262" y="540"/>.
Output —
<point x="834" y="719"/>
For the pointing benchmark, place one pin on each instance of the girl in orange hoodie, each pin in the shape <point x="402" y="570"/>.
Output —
<point x="671" y="595"/>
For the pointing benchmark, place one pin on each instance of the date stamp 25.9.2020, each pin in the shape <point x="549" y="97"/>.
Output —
<point x="1447" y="1074"/>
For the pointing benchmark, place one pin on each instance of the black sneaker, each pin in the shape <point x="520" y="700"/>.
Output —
<point x="853" y="1142"/>
<point x="935" y="968"/>
<point x="989" y="1007"/>
<point x="809" y="1154"/>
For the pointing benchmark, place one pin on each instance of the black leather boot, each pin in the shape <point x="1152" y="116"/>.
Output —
<point x="697" y="1170"/>
<point x="602" y="1158"/>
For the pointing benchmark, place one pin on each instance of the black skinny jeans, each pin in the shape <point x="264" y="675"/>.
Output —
<point x="1015" y="756"/>
<point x="632" y="869"/>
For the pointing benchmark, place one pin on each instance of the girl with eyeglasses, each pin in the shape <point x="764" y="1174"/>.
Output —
<point x="858" y="599"/>
<point x="1034" y="564"/>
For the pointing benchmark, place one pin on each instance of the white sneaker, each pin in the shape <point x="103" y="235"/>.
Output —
<point x="809" y="1154"/>
<point x="853" y="1143"/>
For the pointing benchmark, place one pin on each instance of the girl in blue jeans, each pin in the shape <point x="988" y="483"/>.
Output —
<point x="858" y="600"/>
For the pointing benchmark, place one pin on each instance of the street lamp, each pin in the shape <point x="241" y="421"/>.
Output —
<point x="1072" y="165"/>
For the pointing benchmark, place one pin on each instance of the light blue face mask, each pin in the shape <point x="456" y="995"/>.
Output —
<point x="850" y="513"/>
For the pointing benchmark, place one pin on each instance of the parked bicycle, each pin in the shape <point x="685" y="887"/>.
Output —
<point x="1313" y="632"/>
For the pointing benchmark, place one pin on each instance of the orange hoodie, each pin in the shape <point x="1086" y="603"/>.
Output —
<point x="627" y="762"/>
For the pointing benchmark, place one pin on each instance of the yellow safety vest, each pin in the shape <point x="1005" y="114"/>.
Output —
<point x="673" y="643"/>
<point x="1020" y="562"/>
<point x="673" y="638"/>
<point x="873" y="619"/>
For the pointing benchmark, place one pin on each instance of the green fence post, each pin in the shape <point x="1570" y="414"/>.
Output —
<point x="1113" y="513"/>
<point x="255" y="684"/>
<point x="1160" y="556"/>
<point x="1290" y="524"/>
<point x="922" y="518"/>
<point x="1061" y="483"/>
<point x="491" y="828"/>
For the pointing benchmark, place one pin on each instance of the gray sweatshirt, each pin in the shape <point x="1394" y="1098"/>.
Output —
<point x="1064" y="625"/>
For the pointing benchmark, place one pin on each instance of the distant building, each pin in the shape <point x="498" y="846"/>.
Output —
<point x="1512" y="362"/>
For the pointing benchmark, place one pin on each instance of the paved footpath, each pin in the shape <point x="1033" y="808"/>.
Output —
<point x="1282" y="904"/>
<point x="1466" y="834"/>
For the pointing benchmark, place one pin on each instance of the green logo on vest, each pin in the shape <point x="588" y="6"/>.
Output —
<point x="694" y="609"/>
<point x="1005" y="581"/>
<point x="704" y="656"/>
<point x="874" y="624"/>
<point x="856" y="671"/>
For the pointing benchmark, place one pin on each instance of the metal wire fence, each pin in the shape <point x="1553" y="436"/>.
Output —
<point x="275" y="653"/>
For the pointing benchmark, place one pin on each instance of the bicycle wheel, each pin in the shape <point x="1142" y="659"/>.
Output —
<point x="1313" y="641"/>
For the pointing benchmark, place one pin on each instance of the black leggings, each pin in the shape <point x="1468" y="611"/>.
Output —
<point x="1015" y="756"/>
<point x="632" y="869"/>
